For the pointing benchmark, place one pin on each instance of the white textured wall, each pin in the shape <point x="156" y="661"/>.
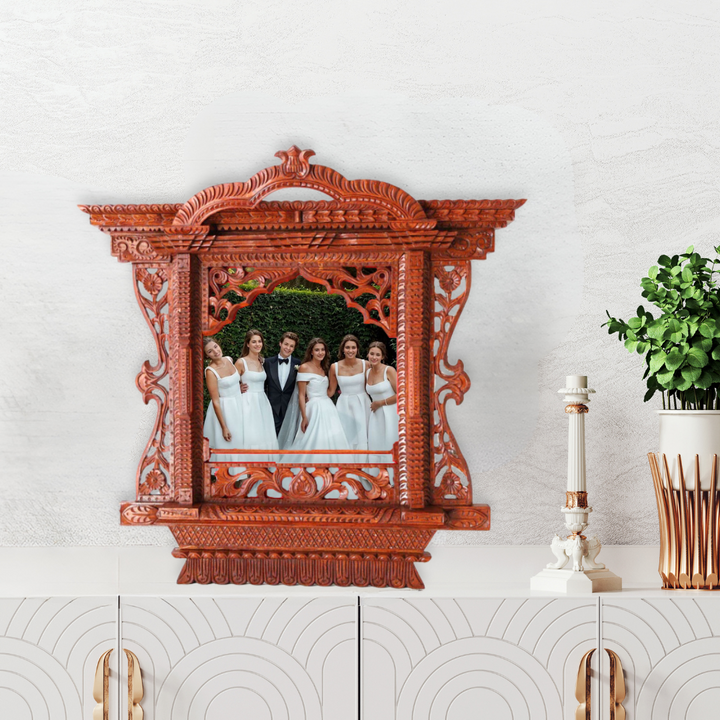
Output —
<point x="607" y="121"/>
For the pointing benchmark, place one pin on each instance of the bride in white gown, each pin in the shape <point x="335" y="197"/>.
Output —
<point x="224" y="419"/>
<point x="320" y="426"/>
<point x="381" y="384"/>
<point x="353" y="404"/>
<point x="259" y="425"/>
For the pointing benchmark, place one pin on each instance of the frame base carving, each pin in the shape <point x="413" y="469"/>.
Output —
<point x="256" y="567"/>
<point x="258" y="543"/>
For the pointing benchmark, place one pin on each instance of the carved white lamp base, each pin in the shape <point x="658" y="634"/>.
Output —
<point x="586" y="575"/>
<point x="576" y="581"/>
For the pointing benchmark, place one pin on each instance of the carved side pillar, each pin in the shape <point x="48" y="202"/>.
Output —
<point x="413" y="370"/>
<point x="186" y="344"/>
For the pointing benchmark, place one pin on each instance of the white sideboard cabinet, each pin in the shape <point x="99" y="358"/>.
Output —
<point x="370" y="657"/>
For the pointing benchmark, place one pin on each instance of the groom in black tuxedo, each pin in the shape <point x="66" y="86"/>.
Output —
<point x="281" y="370"/>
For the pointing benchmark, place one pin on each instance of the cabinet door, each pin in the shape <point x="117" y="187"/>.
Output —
<point x="457" y="659"/>
<point x="260" y="658"/>
<point x="49" y="649"/>
<point x="670" y="652"/>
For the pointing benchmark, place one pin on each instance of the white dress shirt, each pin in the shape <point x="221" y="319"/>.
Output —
<point x="283" y="370"/>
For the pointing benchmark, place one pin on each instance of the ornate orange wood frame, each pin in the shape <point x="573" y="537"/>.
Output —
<point x="372" y="239"/>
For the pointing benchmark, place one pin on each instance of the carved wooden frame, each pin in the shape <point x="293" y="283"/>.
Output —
<point x="420" y="249"/>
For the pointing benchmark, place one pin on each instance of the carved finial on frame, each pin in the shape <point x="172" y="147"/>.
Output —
<point x="295" y="162"/>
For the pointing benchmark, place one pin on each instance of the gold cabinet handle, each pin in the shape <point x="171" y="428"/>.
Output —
<point x="135" y="687"/>
<point x="583" y="687"/>
<point x="101" y="686"/>
<point x="583" y="691"/>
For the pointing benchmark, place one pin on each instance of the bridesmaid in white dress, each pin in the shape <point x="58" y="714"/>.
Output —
<point x="320" y="426"/>
<point x="259" y="425"/>
<point x="381" y="384"/>
<point x="353" y="404"/>
<point x="224" y="420"/>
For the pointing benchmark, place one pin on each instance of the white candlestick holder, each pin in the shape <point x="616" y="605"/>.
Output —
<point x="586" y="575"/>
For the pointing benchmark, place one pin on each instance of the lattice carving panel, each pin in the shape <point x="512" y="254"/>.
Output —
<point x="154" y="477"/>
<point x="288" y="483"/>
<point x="262" y="659"/>
<point x="366" y="289"/>
<point x="451" y="477"/>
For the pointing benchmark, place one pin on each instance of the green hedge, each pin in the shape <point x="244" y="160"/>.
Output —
<point x="306" y="312"/>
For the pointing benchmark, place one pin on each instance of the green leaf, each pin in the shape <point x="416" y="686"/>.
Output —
<point x="635" y="323"/>
<point x="665" y="378"/>
<point x="649" y="394"/>
<point x="657" y="360"/>
<point x="687" y="274"/>
<point x="656" y="329"/>
<point x="704" y="381"/>
<point x="683" y="385"/>
<point x="690" y="250"/>
<point x="691" y="373"/>
<point x="707" y="329"/>
<point x="716" y="353"/>
<point x="697" y="357"/>
<point x="674" y="359"/>
<point x="631" y="345"/>
<point x="664" y="260"/>
<point x="653" y="272"/>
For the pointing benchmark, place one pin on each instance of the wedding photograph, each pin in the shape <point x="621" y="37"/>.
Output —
<point x="299" y="370"/>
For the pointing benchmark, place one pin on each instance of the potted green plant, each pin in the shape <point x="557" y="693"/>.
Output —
<point x="681" y="347"/>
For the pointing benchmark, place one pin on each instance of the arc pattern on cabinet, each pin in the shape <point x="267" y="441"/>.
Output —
<point x="506" y="659"/>
<point x="49" y="648"/>
<point x="670" y="650"/>
<point x="279" y="659"/>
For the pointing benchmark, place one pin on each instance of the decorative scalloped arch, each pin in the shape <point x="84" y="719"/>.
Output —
<point x="295" y="171"/>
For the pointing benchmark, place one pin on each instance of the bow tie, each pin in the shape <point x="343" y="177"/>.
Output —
<point x="282" y="361"/>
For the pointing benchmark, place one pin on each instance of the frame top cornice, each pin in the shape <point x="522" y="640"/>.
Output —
<point x="222" y="211"/>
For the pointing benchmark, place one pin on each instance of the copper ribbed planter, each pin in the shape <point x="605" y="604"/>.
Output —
<point x="689" y="521"/>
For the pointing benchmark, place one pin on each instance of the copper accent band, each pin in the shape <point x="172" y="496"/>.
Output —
<point x="576" y="499"/>
<point x="583" y="688"/>
<point x="101" y="687"/>
<point x="135" y="687"/>
<point x="576" y="409"/>
<point x="617" y="687"/>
